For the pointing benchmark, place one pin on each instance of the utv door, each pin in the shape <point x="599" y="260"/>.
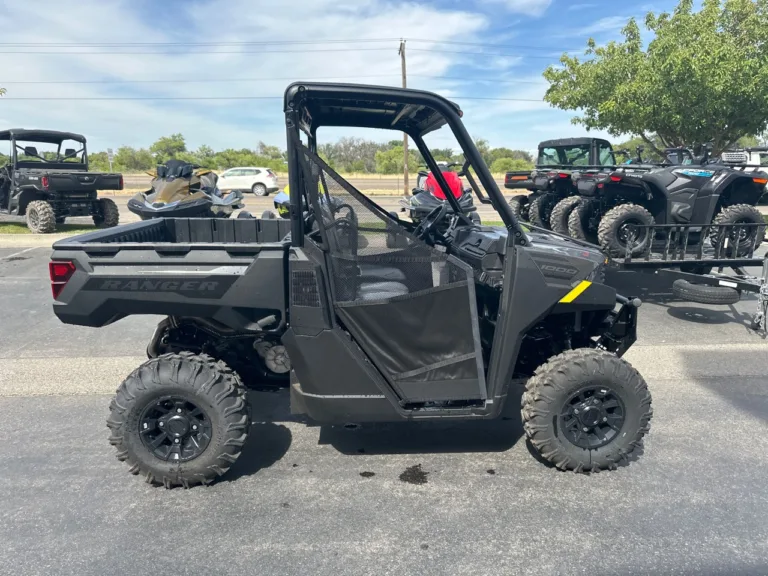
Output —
<point x="410" y="308"/>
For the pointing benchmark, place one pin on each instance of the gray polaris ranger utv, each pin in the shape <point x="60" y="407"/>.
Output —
<point x="373" y="318"/>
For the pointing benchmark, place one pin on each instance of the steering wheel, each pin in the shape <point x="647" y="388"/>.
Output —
<point x="426" y="228"/>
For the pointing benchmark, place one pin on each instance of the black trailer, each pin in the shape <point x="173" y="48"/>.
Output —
<point x="706" y="264"/>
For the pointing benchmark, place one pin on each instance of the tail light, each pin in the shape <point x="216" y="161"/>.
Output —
<point x="120" y="183"/>
<point x="60" y="273"/>
<point x="44" y="182"/>
<point x="615" y="178"/>
<point x="564" y="175"/>
<point x="760" y="180"/>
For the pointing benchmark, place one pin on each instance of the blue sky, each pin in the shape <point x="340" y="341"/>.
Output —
<point x="518" y="39"/>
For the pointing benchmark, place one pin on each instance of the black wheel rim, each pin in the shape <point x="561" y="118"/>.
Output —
<point x="592" y="417"/>
<point x="630" y="235"/>
<point x="174" y="429"/>
<point x="34" y="219"/>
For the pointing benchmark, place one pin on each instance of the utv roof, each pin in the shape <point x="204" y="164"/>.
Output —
<point x="569" y="141"/>
<point x="415" y="112"/>
<point x="48" y="136"/>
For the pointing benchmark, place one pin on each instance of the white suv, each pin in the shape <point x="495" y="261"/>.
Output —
<point x="260" y="181"/>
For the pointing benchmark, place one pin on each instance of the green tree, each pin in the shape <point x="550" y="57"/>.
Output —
<point x="128" y="159"/>
<point x="98" y="162"/>
<point x="498" y="153"/>
<point x="502" y="165"/>
<point x="701" y="79"/>
<point x="168" y="147"/>
<point x="391" y="161"/>
<point x="631" y="146"/>
<point x="2" y="91"/>
<point x="748" y="142"/>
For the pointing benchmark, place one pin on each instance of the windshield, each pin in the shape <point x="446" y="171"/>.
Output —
<point x="69" y="151"/>
<point x="575" y="155"/>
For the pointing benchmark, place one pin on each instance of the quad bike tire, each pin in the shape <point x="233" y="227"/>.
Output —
<point x="193" y="398"/>
<point x="259" y="190"/>
<point x="109" y="215"/>
<point x="520" y="205"/>
<point x="579" y="221"/>
<point x="41" y="219"/>
<point x="739" y="214"/>
<point x="586" y="410"/>
<point x="539" y="211"/>
<point x="611" y="228"/>
<point x="268" y="215"/>
<point x="704" y="294"/>
<point x="558" y="220"/>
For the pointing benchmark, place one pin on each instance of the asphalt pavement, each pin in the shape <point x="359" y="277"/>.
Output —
<point x="316" y="500"/>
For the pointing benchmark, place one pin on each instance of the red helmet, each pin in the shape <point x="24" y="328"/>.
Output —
<point x="454" y="183"/>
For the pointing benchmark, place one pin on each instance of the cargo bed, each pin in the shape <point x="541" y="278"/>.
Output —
<point x="230" y="270"/>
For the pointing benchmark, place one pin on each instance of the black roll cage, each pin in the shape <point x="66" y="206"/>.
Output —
<point x="308" y="106"/>
<point x="13" y="138"/>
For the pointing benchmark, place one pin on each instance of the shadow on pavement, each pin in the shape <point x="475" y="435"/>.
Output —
<point x="267" y="443"/>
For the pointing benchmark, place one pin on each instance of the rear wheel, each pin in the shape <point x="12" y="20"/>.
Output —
<point x="520" y="205"/>
<point x="584" y="220"/>
<point x="558" y="220"/>
<point x="41" y="219"/>
<point x="541" y="209"/>
<point x="179" y="420"/>
<point x="259" y="190"/>
<point x="107" y="215"/>
<point x="746" y="236"/>
<point x="586" y="410"/>
<point x="622" y="230"/>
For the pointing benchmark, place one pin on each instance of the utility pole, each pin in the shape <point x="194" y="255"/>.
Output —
<point x="406" y="187"/>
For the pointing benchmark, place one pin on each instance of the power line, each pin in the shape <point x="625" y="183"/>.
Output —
<point x="272" y="79"/>
<point x="213" y="52"/>
<point x="280" y="43"/>
<point x="116" y="98"/>
<point x="483" y="53"/>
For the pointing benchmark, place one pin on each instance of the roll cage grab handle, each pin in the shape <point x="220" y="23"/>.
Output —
<point x="516" y="234"/>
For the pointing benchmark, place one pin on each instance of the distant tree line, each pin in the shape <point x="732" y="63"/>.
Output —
<point x="346" y="155"/>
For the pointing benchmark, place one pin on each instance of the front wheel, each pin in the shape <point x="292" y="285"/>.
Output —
<point x="259" y="190"/>
<point x="180" y="420"/>
<point x="726" y="226"/>
<point x="586" y="410"/>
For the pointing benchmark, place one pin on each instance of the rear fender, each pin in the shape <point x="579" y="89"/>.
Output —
<point x="27" y="195"/>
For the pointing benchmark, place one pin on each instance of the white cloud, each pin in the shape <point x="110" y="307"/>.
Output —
<point x="528" y="7"/>
<point x="573" y="7"/>
<point x="220" y="123"/>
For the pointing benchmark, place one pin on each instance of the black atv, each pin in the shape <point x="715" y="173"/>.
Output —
<point x="48" y="186"/>
<point x="553" y="194"/>
<point x="709" y="194"/>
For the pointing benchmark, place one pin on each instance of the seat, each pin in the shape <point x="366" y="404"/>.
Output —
<point x="379" y="273"/>
<point x="380" y="290"/>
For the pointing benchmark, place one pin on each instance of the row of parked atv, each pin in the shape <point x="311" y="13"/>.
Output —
<point x="579" y="190"/>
